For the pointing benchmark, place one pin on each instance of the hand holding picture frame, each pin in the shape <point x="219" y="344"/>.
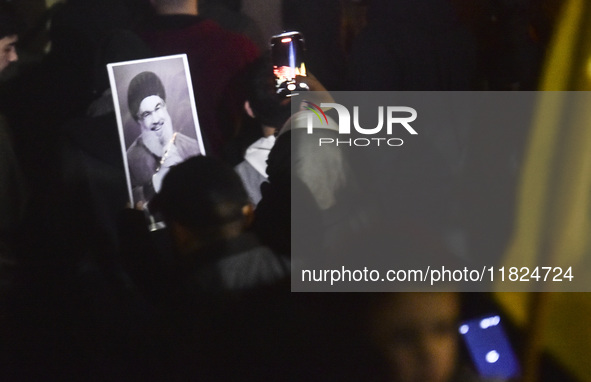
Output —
<point x="157" y="120"/>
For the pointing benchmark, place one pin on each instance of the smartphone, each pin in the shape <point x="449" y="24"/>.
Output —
<point x="287" y="55"/>
<point x="489" y="347"/>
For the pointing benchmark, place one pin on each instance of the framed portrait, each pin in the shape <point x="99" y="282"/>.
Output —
<point x="157" y="120"/>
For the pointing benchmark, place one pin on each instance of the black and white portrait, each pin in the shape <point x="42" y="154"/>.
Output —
<point x="157" y="120"/>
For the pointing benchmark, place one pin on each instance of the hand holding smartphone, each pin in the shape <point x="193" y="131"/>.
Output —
<point x="287" y="55"/>
<point x="489" y="347"/>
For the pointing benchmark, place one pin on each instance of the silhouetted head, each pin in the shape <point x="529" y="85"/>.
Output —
<point x="269" y="108"/>
<point x="202" y="200"/>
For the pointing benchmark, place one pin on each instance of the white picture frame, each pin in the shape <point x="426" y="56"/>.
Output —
<point x="173" y="72"/>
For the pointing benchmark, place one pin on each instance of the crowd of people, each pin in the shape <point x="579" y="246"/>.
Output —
<point x="88" y="292"/>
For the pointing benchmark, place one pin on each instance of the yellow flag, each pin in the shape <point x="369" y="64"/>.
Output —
<point x="553" y="213"/>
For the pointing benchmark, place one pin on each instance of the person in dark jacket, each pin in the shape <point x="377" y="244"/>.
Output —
<point x="231" y="293"/>
<point x="217" y="60"/>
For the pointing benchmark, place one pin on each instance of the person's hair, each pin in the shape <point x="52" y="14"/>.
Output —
<point x="269" y="108"/>
<point x="10" y="22"/>
<point x="141" y="86"/>
<point x="202" y="193"/>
